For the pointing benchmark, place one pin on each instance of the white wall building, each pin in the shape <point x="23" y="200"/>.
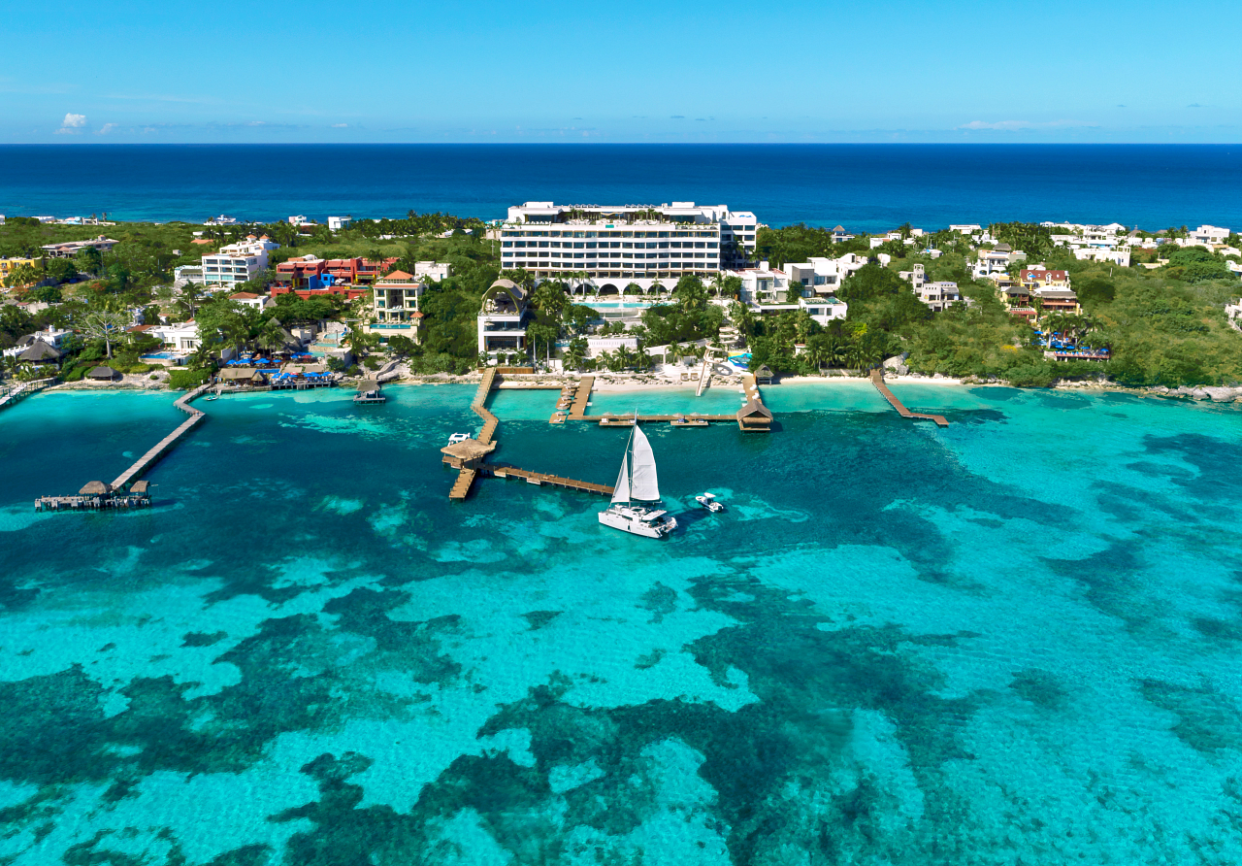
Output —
<point x="183" y="336"/>
<point x="1103" y="254"/>
<point x="502" y="319"/>
<point x="1209" y="235"/>
<point x="615" y="245"/>
<point x="237" y="263"/>
<point x="433" y="271"/>
<point x="336" y="223"/>
<point x="938" y="295"/>
<point x="250" y="299"/>
<point x="823" y="275"/>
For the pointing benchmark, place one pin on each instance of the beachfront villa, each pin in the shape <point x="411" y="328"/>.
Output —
<point x="610" y="247"/>
<point x="237" y="263"/>
<point x="767" y="290"/>
<point x="395" y="307"/>
<point x="183" y="336"/>
<point x="502" y="320"/>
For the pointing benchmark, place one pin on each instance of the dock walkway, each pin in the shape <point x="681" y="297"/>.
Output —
<point x="577" y="411"/>
<point x="877" y="379"/>
<point x="505" y="470"/>
<point x="14" y="393"/>
<point x="118" y="494"/>
<point x="146" y="461"/>
<point x="479" y="405"/>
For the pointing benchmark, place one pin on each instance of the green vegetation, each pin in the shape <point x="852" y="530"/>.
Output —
<point x="1163" y="326"/>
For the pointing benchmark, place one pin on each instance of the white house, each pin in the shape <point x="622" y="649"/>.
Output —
<point x="823" y="275"/>
<point x="250" y="299"/>
<point x="938" y="295"/>
<point x="763" y="285"/>
<point x="433" y="271"/>
<point x="237" y="263"/>
<point x="1209" y="235"/>
<point x="298" y="220"/>
<point x="183" y="336"/>
<point x="336" y="223"/>
<point x="966" y="229"/>
<point x="1103" y="254"/>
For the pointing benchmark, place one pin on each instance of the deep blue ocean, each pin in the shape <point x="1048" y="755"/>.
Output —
<point x="1014" y="640"/>
<point x="863" y="187"/>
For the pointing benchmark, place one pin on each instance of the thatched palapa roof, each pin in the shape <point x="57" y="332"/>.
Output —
<point x="39" y="351"/>
<point x="468" y="451"/>
<point x="96" y="488"/>
<point x="103" y="373"/>
<point x="754" y="411"/>
<point x="368" y="385"/>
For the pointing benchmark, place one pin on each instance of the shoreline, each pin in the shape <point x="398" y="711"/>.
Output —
<point x="1195" y="394"/>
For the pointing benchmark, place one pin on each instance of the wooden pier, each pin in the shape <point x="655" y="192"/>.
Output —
<point x="13" y="394"/>
<point x="877" y="379"/>
<point x="479" y="405"/>
<point x="126" y="491"/>
<point x="505" y="470"/>
<point x="577" y="411"/>
<point x="146" y="461"/>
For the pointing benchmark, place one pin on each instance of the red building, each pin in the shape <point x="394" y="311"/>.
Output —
<point x="310" y="273"/>
<point x="350" y="292"/>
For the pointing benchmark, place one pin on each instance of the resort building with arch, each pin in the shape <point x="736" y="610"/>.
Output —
<point x="502" y="319"/>
<point x="606" y="249"/>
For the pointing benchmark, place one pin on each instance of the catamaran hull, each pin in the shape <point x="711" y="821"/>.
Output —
<point x="637" y="526"/>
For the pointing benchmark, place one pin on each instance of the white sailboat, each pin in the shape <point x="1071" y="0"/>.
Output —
<point x="637" y="483"/>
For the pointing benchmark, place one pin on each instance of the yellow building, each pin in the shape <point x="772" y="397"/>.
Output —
<point x="7" y="266"/>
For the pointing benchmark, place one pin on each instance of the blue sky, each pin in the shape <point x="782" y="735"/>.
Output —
<point x="668" y="71"/>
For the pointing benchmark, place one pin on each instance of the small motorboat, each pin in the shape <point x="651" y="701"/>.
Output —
<point x="708" y="501"/>
<point x="458" y="437"/>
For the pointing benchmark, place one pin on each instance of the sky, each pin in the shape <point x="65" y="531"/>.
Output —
<point x="638" y="71"/>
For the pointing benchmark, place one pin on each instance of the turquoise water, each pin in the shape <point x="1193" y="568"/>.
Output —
<point x="1011" y="640"/>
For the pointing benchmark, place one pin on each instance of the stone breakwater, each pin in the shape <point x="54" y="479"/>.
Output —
<point x="1203" y="392"/>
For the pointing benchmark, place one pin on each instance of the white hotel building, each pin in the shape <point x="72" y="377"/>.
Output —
<point x="237" y="263"/>
<point x="610" y="247"/>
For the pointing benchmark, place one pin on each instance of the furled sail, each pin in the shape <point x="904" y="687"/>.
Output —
<point x="621" y="493"/>
<point x="644" y="485"/>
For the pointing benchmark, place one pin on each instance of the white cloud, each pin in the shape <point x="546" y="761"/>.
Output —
<point x="72" y="124"/>
<point x="105" y="129"/>
<point x="340" y="126"/>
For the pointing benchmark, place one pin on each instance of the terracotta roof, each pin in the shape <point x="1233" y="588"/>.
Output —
<point x="202" y="241"/>
<point x="243" y="296"/>
<point x="398" y="275"/>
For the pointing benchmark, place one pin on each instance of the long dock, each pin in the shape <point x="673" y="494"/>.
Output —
<point x="479" y="405"/>
<point x="505" y="470"/>
<point x="118" y="494"/>
<point x="11" y="395"/>
<point x="877" y="379"/>
<point x="146" y="461"/>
